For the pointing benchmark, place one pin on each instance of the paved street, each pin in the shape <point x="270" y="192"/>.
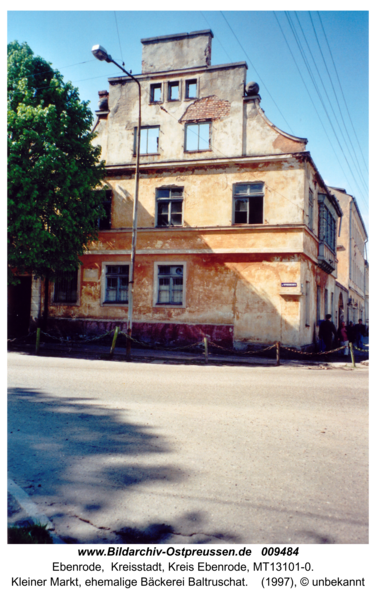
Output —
<point x="138" y="452"/>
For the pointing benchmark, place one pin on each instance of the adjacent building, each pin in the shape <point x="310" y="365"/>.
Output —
<point x="237" y="231"/>
<point x="352" y="295"/>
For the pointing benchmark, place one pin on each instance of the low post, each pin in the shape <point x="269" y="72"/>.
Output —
<point x="278" y="353"/>
<point x="114" y="341"/>
<point x="206" y="349"/>
<point x="352" y="354"/>
<point x="37" y="343"/>
<point x="128" y="353"/>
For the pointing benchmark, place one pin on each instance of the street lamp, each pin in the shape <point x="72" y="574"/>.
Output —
<point x="101" y="54"/>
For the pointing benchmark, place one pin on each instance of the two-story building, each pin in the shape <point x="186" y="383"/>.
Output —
<point x="237" y="231"/>
<point x="352" y="276"/>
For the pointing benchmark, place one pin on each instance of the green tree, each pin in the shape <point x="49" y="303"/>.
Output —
<point x="53" y="168"/>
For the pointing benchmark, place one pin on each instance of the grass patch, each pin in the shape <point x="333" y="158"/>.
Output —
<point x="31" y="534"/>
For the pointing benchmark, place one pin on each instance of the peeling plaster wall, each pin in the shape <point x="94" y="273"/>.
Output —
<point x="176" y="52"/>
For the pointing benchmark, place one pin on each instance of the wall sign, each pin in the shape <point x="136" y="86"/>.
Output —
<point x="289" y="284"/>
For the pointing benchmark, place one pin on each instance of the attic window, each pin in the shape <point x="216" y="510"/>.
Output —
<point x="173" y="91"/>
<point x="191" y="89"/>
<point x="156" y="93"/>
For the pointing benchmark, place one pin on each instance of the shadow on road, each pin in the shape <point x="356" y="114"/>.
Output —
<point x="79" y="455"/>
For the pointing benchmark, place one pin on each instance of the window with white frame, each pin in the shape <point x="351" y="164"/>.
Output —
<point x="248" y="200"/>
<point x="169" y="207"/>
<point x="66" y="288"/>
<point x="197" y="137"/>
<point x="149" y="140"/>
<point x="170" y="284"/>
<point x="116" y="284"/>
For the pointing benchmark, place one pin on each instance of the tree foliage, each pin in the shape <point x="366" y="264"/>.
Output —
<point x="53" y="169"/>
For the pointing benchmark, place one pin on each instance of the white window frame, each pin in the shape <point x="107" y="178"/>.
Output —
<point x="117" y="263"/>
<point x="77" y="303"/>
<point x="168" y="263"/>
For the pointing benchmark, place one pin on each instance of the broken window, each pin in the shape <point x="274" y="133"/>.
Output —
<point x="156" y="92"/>
<point x="191" y="89"/>
<point x="149" y="142"/>
<point x="169" y="205"/>
<point x="249" y="203"/>
<point x="66" y="288"/>
<point x="170" y="284"/>
<point x="197" y="137"/>
<point x="173" y="91"/>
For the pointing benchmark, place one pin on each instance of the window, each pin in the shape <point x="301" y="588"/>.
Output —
<point x="169" y="205"/>
<point x="116" y="284"/>
<point x="173" y="91"/>
<point x="149" y="142"/>
<point x="307" y="319"/>
<point x="105" y="222"/>
<point x="197" y="137"/>
<point x="310" y="210"/>
<point x="327" y="224"/>
<point x="170" y="284"/>
<point x="66" y="288"/>
<point x="318" y="305"/>
<point x="156" y="92"/>
<point x="248" y="203"/>
<point x="191" y="89"/>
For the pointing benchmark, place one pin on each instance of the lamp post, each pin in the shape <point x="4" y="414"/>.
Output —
<point x="101" y="54"/>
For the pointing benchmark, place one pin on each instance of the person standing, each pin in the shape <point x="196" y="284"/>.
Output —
<point x="327" y="331"/>
<point x="359" y="333"/>
<point x="343" y="338"/>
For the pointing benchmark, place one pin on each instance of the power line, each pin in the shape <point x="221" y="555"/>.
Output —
<point x="117" y="29"/>
<point x="343" y="96"/>
<point x="339" y="107"/>
<point x="223" y="48"/>
<point x="318" y="92"/>
<point x="258" y="75"/>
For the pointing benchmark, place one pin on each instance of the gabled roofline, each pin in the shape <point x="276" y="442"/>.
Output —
<point x="202" y="69"/>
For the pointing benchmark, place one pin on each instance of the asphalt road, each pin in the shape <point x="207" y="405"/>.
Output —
<point x="132" y="452"/>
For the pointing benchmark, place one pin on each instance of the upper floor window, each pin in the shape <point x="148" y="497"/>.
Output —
<point x="105" y="200"/>
<point x="116" y="284"/>
<point x="156" y="92"/>
<point x="197" y="137"/>
<point x="310" y="210"/>
<point x="173" y="90"/>
<point x="169" y="207"/>
<point x="327" y="224"/>
<point x="66" y="288"/>
<point x="248" y="203"/>
<point x="191" y="89"/>
<point x="149" y="143"/>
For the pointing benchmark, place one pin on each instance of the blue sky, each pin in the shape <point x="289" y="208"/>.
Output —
<point x="334" y="43"/>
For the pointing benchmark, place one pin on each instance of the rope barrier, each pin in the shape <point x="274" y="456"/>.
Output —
<point x="360" y="349"/>
<point x="313" y="353"/>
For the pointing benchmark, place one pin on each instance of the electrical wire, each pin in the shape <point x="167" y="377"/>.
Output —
<point x="258" y="75"/>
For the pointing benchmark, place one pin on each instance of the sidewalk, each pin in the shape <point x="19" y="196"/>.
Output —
<point x="156" y="356"/>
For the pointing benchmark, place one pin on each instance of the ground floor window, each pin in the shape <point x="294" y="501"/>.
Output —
<point x="170" y="284"/>
<point x="116" y="284"/>
<point x="66" y="288"/>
